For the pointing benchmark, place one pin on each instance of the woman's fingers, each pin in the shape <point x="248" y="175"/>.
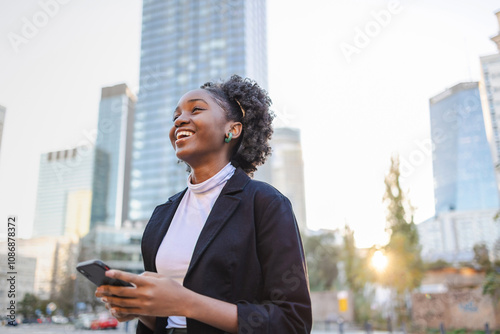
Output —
<point x="122" y="302"/>
<point x="124" y="276"/>
<point x="121" y="317"/>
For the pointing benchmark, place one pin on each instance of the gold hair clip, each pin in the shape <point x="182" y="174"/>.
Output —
<point x="242" y="110"/>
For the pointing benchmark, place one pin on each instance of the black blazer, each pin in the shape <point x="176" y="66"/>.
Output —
<point x="248" y="253"/>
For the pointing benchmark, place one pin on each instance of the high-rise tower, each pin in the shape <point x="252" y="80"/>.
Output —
<point x="463" y="170"/>
<point x="64" y="193"/>
<point x="466" y="198"/>
<point x="112" y="174"/>
<point x="490" y="97"/>
<point x="185" y="44"/>
<point x="284" y="169"/>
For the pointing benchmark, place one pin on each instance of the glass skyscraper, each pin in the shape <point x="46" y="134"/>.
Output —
<point x="184" y="44"/>
<point x="466" y="198"/>
<point x="490" y="98"/>
<point x="112" y="172"/>
<point x="64" y="195"/>
<point x="464" y="177"/>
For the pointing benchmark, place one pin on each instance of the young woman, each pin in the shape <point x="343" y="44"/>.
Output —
<point x="224" y="255"/>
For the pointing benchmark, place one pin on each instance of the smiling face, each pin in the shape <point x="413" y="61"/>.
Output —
<point x="200" y="125"/>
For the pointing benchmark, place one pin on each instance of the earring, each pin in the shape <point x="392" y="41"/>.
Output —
<point x="228" y="137"/>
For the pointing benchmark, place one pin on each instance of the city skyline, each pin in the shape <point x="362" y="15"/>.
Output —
<point x="379" y="105"/>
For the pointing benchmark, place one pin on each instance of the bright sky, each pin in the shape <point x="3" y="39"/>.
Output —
<point x="357" y="99"/>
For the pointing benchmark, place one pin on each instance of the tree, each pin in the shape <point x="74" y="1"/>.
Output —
<point x="357" y="277"/>
<point x="482" y="257"/>
<point x="491" y="284"/>
<point x="322" y="257"/>
<point x="405" y="268"/>
<point x="29" y="305"/>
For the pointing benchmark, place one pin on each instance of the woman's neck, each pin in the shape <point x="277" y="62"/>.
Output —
<point x="204" y="172"/>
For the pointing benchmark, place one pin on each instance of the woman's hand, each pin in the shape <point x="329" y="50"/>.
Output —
<point x="152" y="294"/>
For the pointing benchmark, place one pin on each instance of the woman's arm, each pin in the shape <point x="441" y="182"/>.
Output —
<point x="285" y="305"/>
<point x="155" y="295"/>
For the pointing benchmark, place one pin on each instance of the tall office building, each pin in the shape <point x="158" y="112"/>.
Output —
<point x="64" y="194"/>
<point x="112" y="175"/>
<point x="490" y="98"/>
<point x="466" y="198"/>
<point x="2" y="121"/>
<point x="463" y="170"/>
<point x="284" y="169"/>
<point x="178" y="54"/>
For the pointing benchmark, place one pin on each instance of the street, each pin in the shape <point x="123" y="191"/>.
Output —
<point x="53" y="329"/>
<point x="63" y="329"/>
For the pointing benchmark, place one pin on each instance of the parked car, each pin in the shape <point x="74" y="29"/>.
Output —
<point x="59" y="319"/>
<point x="84" y="320"/>
<point x="104" y="321"/>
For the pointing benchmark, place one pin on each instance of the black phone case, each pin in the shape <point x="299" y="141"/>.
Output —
<point x="95" y="271"/>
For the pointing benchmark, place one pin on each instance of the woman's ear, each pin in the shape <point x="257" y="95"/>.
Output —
<point x="236" y="129"/>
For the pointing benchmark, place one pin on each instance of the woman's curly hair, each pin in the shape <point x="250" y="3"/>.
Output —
<point x="253" y="145"/>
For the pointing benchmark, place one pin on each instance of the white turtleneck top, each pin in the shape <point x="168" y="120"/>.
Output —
<point x="177" y="247"/>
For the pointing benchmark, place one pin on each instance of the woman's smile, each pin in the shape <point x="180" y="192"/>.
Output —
<point x="182" y="135"/>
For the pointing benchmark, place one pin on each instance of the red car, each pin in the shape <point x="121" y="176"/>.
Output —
<point x="104" y="321"/>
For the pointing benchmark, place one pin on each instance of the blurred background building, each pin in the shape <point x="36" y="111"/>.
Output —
<point x="25" y="283"/>
<point x="490" y="97"/>
<point x="114" y="137"/>
<point x="465" y="192"/>
<point x="112" y="238"/>
<point x="284" y="169"/>
<point x="64" y="194"/>
<point x="220" y="38"/>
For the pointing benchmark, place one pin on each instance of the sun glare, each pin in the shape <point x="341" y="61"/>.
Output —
<point x="379" y="261"/>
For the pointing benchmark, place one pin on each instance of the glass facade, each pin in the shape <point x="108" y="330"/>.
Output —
<point x="112" y="168"/>
<point x="62" y="175"/>
<point x="185" y="44"/>
<point x="463" y="170"/>
<point x="490" y="98"/>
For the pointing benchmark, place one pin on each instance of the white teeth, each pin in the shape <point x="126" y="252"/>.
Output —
<point x="182" y="134"/>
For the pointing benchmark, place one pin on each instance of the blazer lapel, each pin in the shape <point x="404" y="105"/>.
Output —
<point x="223" y="208"/>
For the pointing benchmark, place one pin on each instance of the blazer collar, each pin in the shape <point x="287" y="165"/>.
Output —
<point x="223" y="208"/>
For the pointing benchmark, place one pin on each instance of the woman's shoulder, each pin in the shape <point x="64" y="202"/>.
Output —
<point x="265" y="193"/>
<point x="252" y="187"/>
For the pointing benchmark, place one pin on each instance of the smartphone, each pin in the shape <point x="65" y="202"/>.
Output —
<point x="95" y="271"/>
